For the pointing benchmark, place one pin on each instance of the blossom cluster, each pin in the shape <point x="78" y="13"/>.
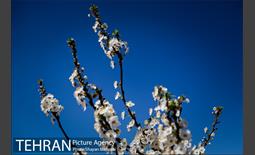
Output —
<point x="49" y="104"/>
<point x="106" y="111"/>
<point x="165" y="132"/>
<point x="111" y="44"/>
<point x="109" y="129"/>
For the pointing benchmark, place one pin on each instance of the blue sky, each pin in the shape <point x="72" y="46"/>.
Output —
<point x="193" y="48"/>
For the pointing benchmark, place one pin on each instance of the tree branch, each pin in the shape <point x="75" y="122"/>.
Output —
<point x="43" y="93"/>
<point x="120" y="57"/>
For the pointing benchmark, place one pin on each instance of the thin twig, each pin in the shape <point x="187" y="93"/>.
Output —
<point x="132" y="115"/>
<point x="207" y="140"/>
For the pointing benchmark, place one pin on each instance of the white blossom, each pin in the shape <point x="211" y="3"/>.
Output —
<point x="73" y="76"/>
<point x="114" y="42"/>
<point x="114" y="121"/>
<point x="150" y="111"/>
<point x="187" y="100"/>
<point x="112" y="64"/>
<point x="115" y="84"/>
<point x="213" y="134"/>
<point x="117" y="96"/>
<point x="95" y="27"/>
<point x="130" y="124"/>
<point x="205" y="130"/>
<point x="214" y="108"/>
<point x="101" y="38"/>
<point x="153" y="122"/>
<point x="80" y="97"/>
<point x="180" y="149"/>
<point x="130" y="104"/>
<point x="177" y="114"/>
<point x="123" y="115"/>
<point x="162" y="105"/>
<point x="92" y="86"/>
<point x="198" y="150"/>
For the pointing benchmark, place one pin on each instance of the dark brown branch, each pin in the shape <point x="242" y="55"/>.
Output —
<point x="61" y="127"/>
<point x="43" y="93"/>
<point x="132" y="115"/>
<point x="72" y="45"/>
<point x="64" y="132"/>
